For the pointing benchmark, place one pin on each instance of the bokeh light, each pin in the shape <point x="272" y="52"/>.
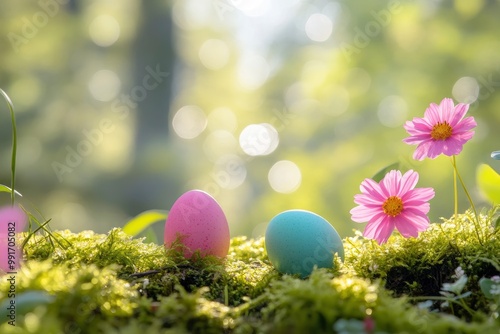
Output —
<point x="252" y="8"/>
<point x="466" y="90"/>
<point x="259" y="139"/>
<point x="189" y="122"/>
<point x="285" y="177"/>
<point x="104" y="30"/>
<point x="319" y="27"/>
<point x="230" y="171"/>
<point x="326" y="85"/>
<point x="338" y="101"/>
<point x="104" y="85"/>
<point x="214" y="54"/>
<point x="25" y="91"/>
<point x="253" y="71"/>
<point x="358" y="80"/>
<point x="392" y="111"/>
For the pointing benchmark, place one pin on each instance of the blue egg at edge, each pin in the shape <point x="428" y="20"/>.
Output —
<point x="298" y="240"/>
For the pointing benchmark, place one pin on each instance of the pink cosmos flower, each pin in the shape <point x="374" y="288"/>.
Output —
<point x="443" y="130"/>
<point x="12" y="221"/>
<point x="392" y="203"/>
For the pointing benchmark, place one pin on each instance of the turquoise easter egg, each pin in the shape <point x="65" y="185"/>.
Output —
<point x="298" y="240"/>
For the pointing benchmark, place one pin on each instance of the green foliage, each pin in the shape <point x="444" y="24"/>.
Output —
<point x="419" y="266"/>
<point x="5" y="189"/>
<point x="114" y="283"/>
<point x="381" y="173"/>
<point x="137" y="224"/>
<point x="114" y="248"/>
<point x="294" y="305"/>
<point x="245" y="272"/>
<point x="84" y="297"/>
<point x="488" y="181"/>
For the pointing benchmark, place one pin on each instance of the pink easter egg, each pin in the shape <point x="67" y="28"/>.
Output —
<point x="12" y="221"/>
<point x="198" y="223"/>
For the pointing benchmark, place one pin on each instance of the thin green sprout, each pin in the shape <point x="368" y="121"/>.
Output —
<point x="14" y="147"/>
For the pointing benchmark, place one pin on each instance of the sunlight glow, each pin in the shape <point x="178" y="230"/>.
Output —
<point x="252" y="8"/>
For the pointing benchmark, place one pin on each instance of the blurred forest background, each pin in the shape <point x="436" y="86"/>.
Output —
<point x="123" y="105"/>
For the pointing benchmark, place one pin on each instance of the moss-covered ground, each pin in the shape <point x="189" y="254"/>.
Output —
<point x="94" y="283"/>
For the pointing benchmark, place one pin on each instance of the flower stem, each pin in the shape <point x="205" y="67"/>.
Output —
<point x="455" y="186"/>
<point x="457" y="174"/>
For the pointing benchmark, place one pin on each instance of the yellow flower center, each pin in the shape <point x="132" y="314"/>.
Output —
<point x="393" y="206"/>
<point x="441" y="131"/>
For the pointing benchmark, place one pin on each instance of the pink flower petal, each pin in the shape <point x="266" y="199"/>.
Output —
<point x="411" y="220"/>
<point x="422" y="151"/>
<point x="418" y="195"/>
<point x="447" y="108"/>
<point x="420" y="130"/>
<point x="367" y="200"/>
<point x="466" y="125"/>
<point x="361" y="214"/>
<point x="408" y="182"/>
<point x="410" y="224"/>
<point x="380" y="231"/>
<point x="464" y="137"/>
<point x="432" y="114"/>
<point x="372" y="188"/>
<point x="460" y="111"/>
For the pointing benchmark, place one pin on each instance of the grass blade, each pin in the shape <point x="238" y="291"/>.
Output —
<point x="14" y="146"/>
<point x="5" y="189"/>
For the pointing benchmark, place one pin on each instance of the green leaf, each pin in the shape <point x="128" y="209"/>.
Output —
<point x="137" y="224"/>
<point x="5" y="189"/>
<point x="488" y="181"/>
<point x="381" y="173"/>
<point x="27" y="301"/>
<point x="485" y="285"/>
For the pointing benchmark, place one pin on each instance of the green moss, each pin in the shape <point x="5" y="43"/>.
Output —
<point x="94" y="283"/>
<point x="116" y="247"/>
<point x="84" y="297"/>
<point x="420" y="266"/>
